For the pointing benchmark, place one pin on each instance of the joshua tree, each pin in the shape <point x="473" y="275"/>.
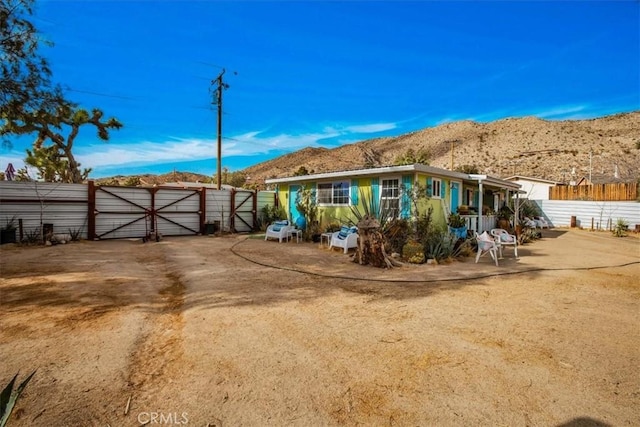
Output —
<point x="48" y="127"/>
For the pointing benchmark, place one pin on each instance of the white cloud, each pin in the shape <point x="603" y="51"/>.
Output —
<point x="370" y="128"/>
<point x="186" y="149"/>
<point x="14" y="159"/>
<point x="146" y="152"/>
<point x="561" y="112"/>
<point x="445" y="121"/>
<point x="178" y="149"/>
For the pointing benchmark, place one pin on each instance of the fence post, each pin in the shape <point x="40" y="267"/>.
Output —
<point x="203" y="208"/>
<point x="232" y="214"/>
<point x="91" y="211"/>
<point x="255" y="209"/>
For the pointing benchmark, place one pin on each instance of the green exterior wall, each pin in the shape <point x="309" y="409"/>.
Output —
<point x="438" y="216"/>
<point x="342" y="214"/>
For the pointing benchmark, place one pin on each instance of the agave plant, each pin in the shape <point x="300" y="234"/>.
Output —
<point x="9" y="397"/>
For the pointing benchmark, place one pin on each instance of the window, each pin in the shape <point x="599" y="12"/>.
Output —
<point x="469" y="197"/>
<point x="333" y="193"/>
<point x="496" y="202"/>
<point x="390" y="197"/>
<point x="436" y="188"/>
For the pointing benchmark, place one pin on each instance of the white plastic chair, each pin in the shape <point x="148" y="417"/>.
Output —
<point x="541" y="222"/>
<point x="279" y="230"/>
<point x="486" y="245"/>
<point x="503" y="238"/>
<point x="346" y="238"/>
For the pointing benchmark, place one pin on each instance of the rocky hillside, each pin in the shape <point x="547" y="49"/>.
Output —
<point x="549" y="149"/>
<point x="149" y="180"/>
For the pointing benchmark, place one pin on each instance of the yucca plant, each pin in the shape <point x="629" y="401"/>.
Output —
<point x="9" y="397"/>
<point x="621" y="227"/>
<point x="75" y="234"/>
<point x="371" y="246"/>
<point x="370" y="208"/>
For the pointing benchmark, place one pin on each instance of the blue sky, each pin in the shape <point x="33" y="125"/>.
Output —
<point x="324" y="74"/>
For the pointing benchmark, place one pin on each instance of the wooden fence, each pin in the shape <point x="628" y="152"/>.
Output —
<point x="597" y="192"/>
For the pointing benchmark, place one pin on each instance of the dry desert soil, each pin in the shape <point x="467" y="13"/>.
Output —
<point x="236" y="331"/>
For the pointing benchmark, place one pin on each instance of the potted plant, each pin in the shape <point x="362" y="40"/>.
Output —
<point x="463" y="209"/>
<point x="457" y="226"/>
<point x="8" y="231"/>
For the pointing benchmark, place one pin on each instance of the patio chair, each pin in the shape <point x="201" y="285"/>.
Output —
<point x="279" y="230"/>
<point x="486" y="245"/>
<point x="503" y="238"/>
<point x="541" y="222"/>
<point x="528" y="222"/>
<point x="346" y="238"/>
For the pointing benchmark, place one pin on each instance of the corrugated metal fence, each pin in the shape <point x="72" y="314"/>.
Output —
<point x="603" y="214"/>
<point x="105" y="212"/>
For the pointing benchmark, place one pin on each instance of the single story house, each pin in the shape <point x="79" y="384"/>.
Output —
<point x="533" y="188"/>
<point x="390" y="187"/>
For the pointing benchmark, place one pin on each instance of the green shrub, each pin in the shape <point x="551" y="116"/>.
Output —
<point x="269" y="214"/>
<point x="332" y="227"/>
<point x="413" y="252"/>
<point x="396" y="233"/>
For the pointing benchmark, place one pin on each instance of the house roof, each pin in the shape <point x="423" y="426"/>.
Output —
<point x="530" y="178"/>
<point x="387" y="170"/>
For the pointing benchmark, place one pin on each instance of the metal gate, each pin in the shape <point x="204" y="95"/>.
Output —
<point x="244" y="210"/>
<point x="125" y="212"/>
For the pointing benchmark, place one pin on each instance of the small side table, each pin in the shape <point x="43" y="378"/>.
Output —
<point x="326" y="236"/>
<point x="298" y="234"/>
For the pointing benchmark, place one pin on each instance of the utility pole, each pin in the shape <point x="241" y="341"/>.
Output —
<point x="218" y="100"/>
<point x="453" y="141"/>
<point x="590" y="165"/>
<point x="452" y="155"/>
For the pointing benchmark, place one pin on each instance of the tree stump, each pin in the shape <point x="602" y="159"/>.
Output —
<point x="370" y="250"/>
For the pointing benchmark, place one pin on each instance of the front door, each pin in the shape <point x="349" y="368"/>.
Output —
<point x="293" y="198"/>
<point x="455" y="190"/>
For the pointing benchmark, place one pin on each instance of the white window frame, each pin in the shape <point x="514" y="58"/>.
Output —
<point x="496" y="202"/>
<point x="334" y="195"/>
<point x="438" y="194"/>
<point x="470" y="196"/>
<point x="398" y="198"/>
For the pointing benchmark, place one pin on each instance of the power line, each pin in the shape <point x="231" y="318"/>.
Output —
<point x="210" y="65"/>
<point x="70" y="89"/>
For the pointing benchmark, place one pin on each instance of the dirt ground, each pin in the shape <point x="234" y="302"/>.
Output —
<point x="233" y="330"/>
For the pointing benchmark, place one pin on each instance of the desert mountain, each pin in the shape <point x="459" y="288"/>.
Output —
<point x="149" y="180"/>
<point x="548" y="149"/>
